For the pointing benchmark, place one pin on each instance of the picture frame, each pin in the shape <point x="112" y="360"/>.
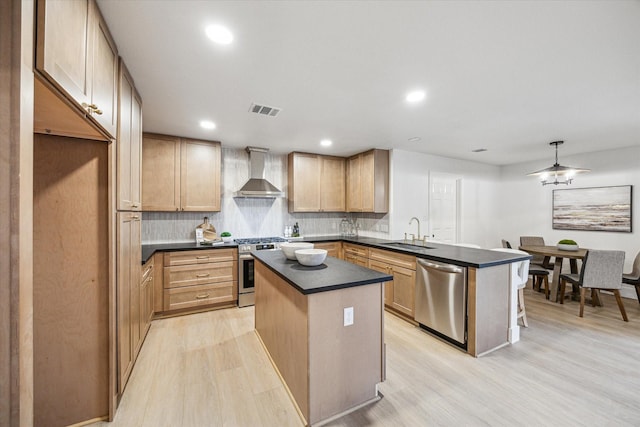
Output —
<point x="593" y="209"/>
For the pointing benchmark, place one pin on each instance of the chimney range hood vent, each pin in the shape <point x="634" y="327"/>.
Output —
<point x="258" y="186"/>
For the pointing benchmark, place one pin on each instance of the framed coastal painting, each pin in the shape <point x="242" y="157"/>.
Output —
<point x="593" y="209"/>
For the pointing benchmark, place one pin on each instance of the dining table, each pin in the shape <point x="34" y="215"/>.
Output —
<point x="559" y="255"/>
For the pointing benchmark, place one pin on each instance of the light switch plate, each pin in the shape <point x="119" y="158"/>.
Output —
<point x="348" y="316"/>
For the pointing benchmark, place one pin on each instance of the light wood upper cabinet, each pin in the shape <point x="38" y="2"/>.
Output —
<point x="316" y="183"/>
<point x="180" y="174"/>
<point x="200" y="175"/>
<point x="76" y="53"/>
<point x="332" y="192"/>
<point x="368" y="182"/>
<point x="129" y="144"/>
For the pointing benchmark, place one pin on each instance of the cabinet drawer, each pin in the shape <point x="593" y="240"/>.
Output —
<point x="355" y="250"/>
<point x="332" y="248"/>
<point x="358" y="260"/>
<point x="188" y="275"/>
<point x="400" y="260"/>
<point x="194" y="296"/>
<point x="199" y="256"/>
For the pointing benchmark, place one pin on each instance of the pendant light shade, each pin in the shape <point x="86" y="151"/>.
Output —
<point x="557" y="174"/>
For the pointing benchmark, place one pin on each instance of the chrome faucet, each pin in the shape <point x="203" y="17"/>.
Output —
<point x="418" y="221"/>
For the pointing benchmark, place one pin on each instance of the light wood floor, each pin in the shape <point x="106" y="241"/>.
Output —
<point x="209" y="370"/>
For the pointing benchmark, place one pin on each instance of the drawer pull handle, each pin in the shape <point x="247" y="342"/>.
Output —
<point x="202" y="296"/>
<point x="202" y="257"/>
<point x="202" y="275"/>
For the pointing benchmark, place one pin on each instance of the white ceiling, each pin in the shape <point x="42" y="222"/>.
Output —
<point x="509" y="76"/>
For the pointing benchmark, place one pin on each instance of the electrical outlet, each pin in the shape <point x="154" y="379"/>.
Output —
<point x="348" y="316"/>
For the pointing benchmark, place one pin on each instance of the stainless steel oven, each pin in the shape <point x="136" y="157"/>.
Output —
<point x="246" y="282"/>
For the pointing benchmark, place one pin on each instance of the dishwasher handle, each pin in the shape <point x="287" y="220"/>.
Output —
<point x="447" y="268"/>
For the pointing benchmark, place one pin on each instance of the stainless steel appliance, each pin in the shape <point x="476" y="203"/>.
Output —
<point x="441" y="300"/>
<point x="246" y="284"/>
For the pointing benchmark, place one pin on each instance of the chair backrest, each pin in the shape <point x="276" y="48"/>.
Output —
<point x="602" y="269"/>
<point x="533" y="241"/>
<point x="520" y="274"/>
<point x="506" y="244"/>
<point x="636" y="267"/>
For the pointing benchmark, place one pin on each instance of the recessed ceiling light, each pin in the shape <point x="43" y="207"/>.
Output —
<point x="326" y="142"/>
<point x="207" y="124"/>
<point x="219" y="34"/>
<point x="415" y="96"/>
<point x="414" y="139"/>
<point x="479" y="150"/>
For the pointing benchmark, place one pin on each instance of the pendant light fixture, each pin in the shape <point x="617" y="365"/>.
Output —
<point x="557" y="174"/>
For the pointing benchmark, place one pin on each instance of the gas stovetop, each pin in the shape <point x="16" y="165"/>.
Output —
<point x="260" y="240"/>
<point x="259" y="244"/>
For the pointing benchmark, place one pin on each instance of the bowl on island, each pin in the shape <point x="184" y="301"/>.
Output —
<point x="311" y="257"/>
<point x="289" y="248"/>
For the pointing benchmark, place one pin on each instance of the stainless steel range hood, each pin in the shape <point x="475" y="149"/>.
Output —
<point x="258" y="186"/>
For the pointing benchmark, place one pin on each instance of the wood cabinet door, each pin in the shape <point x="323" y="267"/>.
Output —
<point x="333" y="248"/>
<point x="200" y="176"/>
<point x="388" y="286"/>
<point x="332" y="190"/>
<point x="124" y="328"/>
<point x="103" y="72"/>
<point x="367" y="182"/>
<point x="404" y="282"/>
<point x="305" y="183"/>
<point x="124" y="162"/>
<point x="160" y="173"/>
<point x="136" y="152"/>
<point x="134" y="260"/>
<point x="354" y="196"/>
<point x="62" y="45"/>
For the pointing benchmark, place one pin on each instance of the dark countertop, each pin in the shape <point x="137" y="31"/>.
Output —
<point x="149" y="250"/>
<point x="331" y="275"/>
<point x="458" y="255"/>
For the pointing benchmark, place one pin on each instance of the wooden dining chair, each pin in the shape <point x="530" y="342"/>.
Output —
<point x="600" y="270"/>
<point x="542" y="261"/>
<point x="539" y="276"/>
<point x="633" y="278"/>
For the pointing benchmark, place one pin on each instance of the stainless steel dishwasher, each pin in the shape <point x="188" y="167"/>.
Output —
<point x="441" y="300"/>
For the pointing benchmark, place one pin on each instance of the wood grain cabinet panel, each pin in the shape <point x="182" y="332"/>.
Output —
<point x="399" y="293"/>
<point x="129" y="144"/>
<point x="316" y="183"/>
<point x="130" y="319"/>
<point x="368" y="182"/>
<point x="76" y="53"/>
<point x="200" y="176"/>
<point x="333" y="249"/>
<point x="356" y="254"/>
<point x="180" y="174"/>
<point x="193" y="279"/>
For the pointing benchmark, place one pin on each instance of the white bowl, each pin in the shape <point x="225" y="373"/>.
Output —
<point x="289" y="248"/>
<point x="227" y="239"/>
<point x="565" y="247"/>
<point x="311" y="257"/>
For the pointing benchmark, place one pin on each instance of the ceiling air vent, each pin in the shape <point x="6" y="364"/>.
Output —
<point x="265" y="110"/>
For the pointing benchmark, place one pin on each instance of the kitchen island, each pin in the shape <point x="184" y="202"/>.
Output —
<point x="322" y="328"/>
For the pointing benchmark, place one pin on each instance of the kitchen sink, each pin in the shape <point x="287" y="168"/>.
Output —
<point x="408" y="246"/>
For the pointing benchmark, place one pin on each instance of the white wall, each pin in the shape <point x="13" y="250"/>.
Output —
<point x="478" y="192"/>
<point x="527" y="205"/>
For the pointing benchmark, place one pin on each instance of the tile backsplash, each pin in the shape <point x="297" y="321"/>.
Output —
<point x="253" y="217"/>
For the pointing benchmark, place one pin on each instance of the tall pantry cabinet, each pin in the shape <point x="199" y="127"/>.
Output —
<point x="75" y="93"/>
<point x="131" y="290"/>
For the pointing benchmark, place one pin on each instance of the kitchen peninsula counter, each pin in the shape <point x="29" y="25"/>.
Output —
<point x="331" y="361"/>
